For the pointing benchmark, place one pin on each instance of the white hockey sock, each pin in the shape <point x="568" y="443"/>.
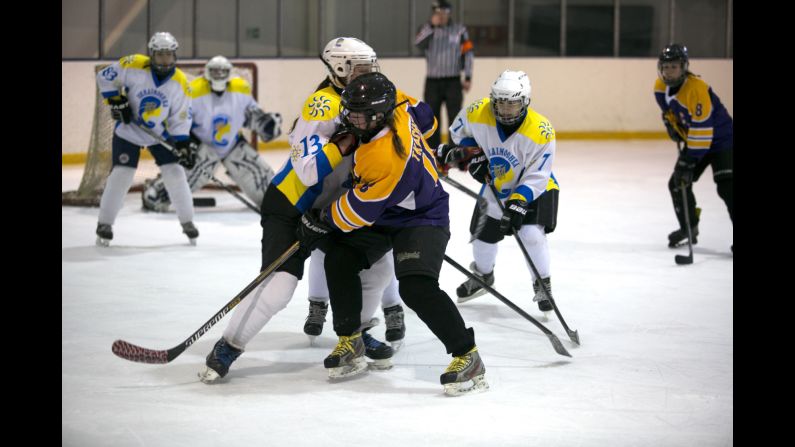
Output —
<point x="178" y="190"/>
<point x="391" y="296"/>
<point x="374" y="281"/>
<point x="485" y="255"/>
<point x="258" y="307"/>
<point x="535" y="241"/>
<point x="116" y="187"/>
<point x="318" y="289"/>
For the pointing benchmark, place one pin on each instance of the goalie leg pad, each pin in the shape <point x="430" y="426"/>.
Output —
<point x="249" y="170"/>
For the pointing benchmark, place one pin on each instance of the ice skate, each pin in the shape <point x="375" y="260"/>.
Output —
<point x="190" y="230"/>
<point x="395" y="326"/>
<point x="540" y="297"/>
<point x="380" y="353"/>
<point x="313" y="325"/>
<point x="678" y="238"/>
<point x="104" y="234"/>
<point x="462" y="371"/>
<point x="472" y="289"/>
<point x="347" y="358"/>
<point x="218" y="361"/>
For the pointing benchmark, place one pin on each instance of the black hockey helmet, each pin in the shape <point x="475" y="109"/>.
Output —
<point x="671" y="53"/>
<point x="370" y="98"/>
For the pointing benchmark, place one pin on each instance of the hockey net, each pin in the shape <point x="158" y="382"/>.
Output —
<point x="98" y="158"/>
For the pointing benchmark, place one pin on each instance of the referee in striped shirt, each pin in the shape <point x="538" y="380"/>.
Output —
<point x="448" y="51"/>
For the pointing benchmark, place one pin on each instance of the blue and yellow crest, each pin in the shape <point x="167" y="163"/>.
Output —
<point x="221" y="129"/>
<point x="149" y="108"/>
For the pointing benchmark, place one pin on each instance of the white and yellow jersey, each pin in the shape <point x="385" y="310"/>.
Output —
<point x="162" y="106"/>
<point x="521" y="164"/>
<point x="217" y="119"/>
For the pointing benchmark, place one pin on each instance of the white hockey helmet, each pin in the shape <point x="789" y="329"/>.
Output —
<point x="348" y="57"/>
<point x="510" y="96"/>
<point x="218" y="70"/>
<point x="163" y="52"/>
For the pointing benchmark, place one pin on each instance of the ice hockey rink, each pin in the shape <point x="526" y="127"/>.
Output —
<point x="655" y="367"/>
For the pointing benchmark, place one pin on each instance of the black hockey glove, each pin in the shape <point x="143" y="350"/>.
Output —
<point x="683" y="171"/>
<point x="447" y="154"/>
<point x="513" y="216"/>
<point x="479" y="167"/>
<point x="671" y="131"/>
<point x="120" y="109"/>
<point x="188" y="152"/>
<point x="345" y="140"/>
<point x="311" y="230"/>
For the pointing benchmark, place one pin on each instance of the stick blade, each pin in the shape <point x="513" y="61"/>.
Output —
<point x="574" y="336"/>
<point x="683" y="260"/>
<point x="133" y="353"/>
<point x="558" y="345"/>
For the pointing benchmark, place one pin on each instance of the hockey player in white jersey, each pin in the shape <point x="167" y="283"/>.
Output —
<point x="518" y="148"/>
<point x="222" y="105"/>
<point x="148" y="91"/>
<point x="319" y="163"/>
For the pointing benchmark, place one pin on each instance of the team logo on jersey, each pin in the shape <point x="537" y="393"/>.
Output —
<point x="474" y="106"/>
<point x="149" y="109"/>
<point x="319" y="106"/>
<point x="221" y="129"/>
<point x="546" y="130"/>
<point x="501" y="164"/>
<point x="109" y="73"/>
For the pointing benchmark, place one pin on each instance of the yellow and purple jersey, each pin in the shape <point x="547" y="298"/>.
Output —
<point x="301" y="178"/>
<point x="696" y="114"/>
<point x="391" y="189"/>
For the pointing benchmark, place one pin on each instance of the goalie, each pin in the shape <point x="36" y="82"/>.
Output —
<point x="222" y="105"/>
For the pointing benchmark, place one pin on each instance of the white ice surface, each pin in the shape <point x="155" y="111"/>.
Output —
<point x="654" y="369"/>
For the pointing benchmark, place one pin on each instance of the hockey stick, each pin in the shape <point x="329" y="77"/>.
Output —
<point x="482" y="206"/>
<point x="682" y="259"/>
<point x="134" y="353"/>
<point x="556" y="344"/>
<point x="572" y="334"/>
<point x="223" y="185"/>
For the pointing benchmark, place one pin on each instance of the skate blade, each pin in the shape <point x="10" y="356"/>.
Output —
<point x="192" y="241"/>
<point x="380" y="365"/>
<point x="312" y="339"/>
<point x="464" y="299"/>
<point x="396" y="345"/>
<point x="209" y="376"/>
<point x="102" y="242"/>
<point x="359" y="366"/>
<point x="479" y="385"/>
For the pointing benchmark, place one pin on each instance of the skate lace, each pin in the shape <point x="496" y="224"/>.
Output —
<point x="225" y="354"/>
<point x="317" y="314"/>
<point x="394" y="320"/>
<point x="458" y="364"/>
<point x="344" y="345"/>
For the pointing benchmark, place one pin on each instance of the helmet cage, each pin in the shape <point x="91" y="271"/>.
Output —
<point x="163" y="44"/>
<point x="673" y="53"/>
<point x="218" y="71"/>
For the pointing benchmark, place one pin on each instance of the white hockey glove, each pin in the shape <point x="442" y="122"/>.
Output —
<point x="266" y="125"/>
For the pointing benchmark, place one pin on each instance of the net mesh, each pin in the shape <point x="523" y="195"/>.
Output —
<point x="98" y="158"/>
